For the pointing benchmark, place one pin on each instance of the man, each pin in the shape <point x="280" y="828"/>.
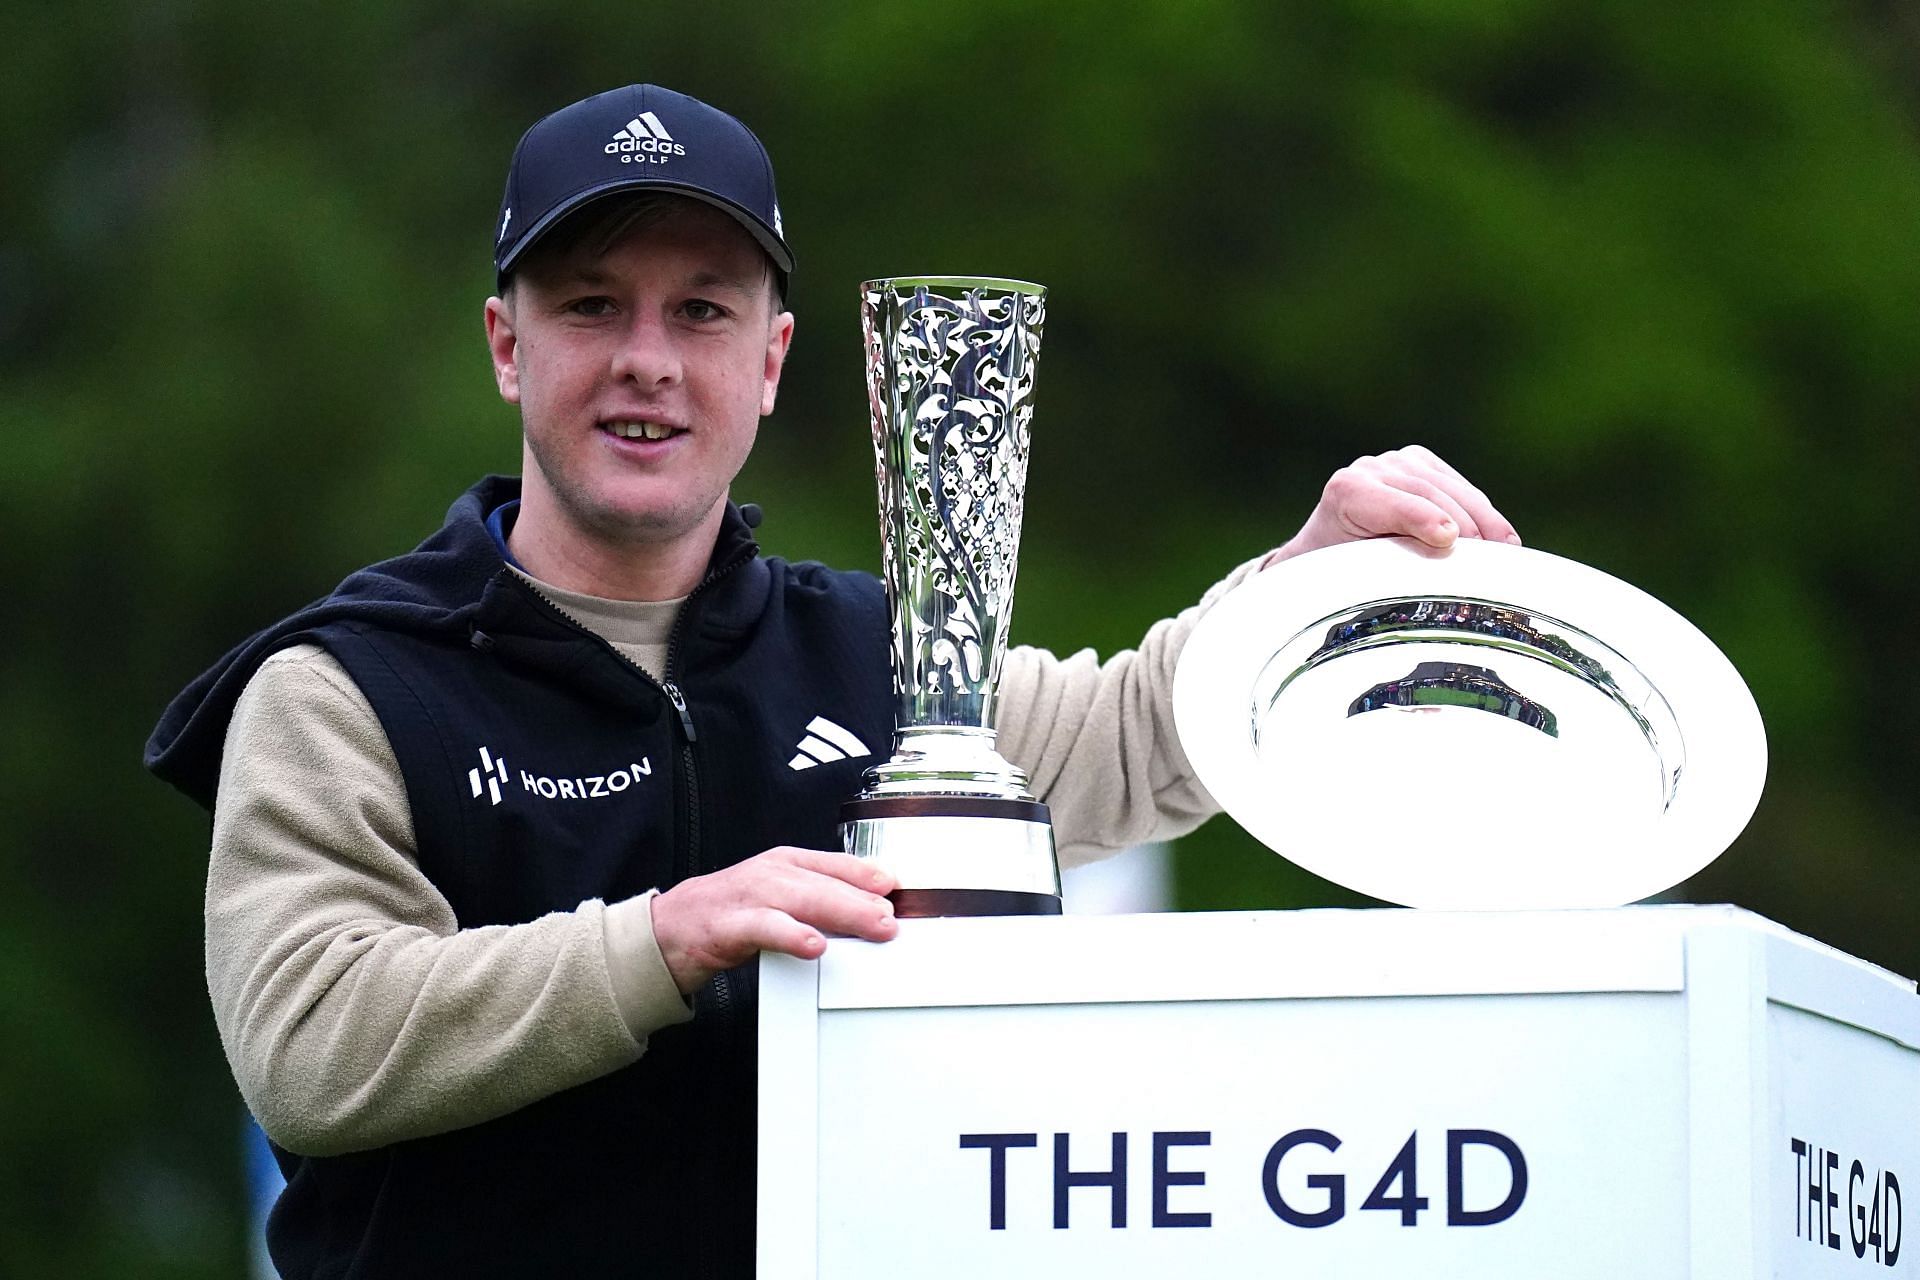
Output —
<point x="499" y="822"/>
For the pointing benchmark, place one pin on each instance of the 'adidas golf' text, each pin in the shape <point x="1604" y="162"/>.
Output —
<point x="644" y="140"/>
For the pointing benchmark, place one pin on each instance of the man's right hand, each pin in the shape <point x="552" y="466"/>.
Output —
<point x="785" y="899"/>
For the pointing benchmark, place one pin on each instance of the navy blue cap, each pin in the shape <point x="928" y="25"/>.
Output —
<point x="640" y="138"/>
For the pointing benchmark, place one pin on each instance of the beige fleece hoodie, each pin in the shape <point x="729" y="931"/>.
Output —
<point x="356" y="1013"/>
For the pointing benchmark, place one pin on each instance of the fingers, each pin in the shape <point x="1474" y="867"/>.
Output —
<point x="845" y="895"/>
<point x="1491" y="525"/>
<point x="858" y="872"/>
<point x="1410" y="492"/>
<point x="1389" y="503"/>
<point x="834" y="892"/>
<point x="769" y="929"/>
<point x="785" y="900"/>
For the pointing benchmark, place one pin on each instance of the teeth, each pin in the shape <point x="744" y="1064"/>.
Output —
<point x="640" y="430"/>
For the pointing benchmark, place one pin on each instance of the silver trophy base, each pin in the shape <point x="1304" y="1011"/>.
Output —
<point x="958" y="855"/>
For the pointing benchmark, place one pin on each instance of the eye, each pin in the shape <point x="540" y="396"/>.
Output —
<point x="700" y="310"/>
<point x="596" y="305"/>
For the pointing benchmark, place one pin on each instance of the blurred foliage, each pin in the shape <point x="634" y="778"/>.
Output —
<point x="1646" y="273"/>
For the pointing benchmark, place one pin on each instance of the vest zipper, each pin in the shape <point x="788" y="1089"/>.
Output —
<point x="723" y="1002"/>
<point x="690" y="863"/>
<point x="679" y="702"/>
<point x="663" y="682"/>
<point x="722" y="981"/>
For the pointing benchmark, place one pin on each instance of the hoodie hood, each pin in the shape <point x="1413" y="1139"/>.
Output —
<point x="439" y="589"/>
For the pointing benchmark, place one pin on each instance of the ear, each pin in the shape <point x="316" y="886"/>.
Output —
<point x="505" y="349"/>
<point x="779" y="337"/>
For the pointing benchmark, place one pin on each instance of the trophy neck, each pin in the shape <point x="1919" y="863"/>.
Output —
<point x="946" y="760"/>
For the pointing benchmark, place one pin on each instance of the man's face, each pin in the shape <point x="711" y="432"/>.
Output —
<point x="641" y="373"/>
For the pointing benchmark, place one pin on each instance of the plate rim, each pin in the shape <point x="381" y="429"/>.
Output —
<point x="1721" y="727"/>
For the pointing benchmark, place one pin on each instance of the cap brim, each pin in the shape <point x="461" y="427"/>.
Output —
<point x="763" y="235"/>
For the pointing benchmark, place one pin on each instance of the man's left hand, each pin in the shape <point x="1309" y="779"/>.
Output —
<point x="1406" y="492"/>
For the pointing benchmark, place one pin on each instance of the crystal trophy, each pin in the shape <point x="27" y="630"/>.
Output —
<point x="950" y="365"/>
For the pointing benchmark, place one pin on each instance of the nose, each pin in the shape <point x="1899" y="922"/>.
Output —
<point x="647" y="354"/>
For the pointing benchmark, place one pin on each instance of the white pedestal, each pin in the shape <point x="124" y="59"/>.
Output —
<point x="1644" y="1092"/>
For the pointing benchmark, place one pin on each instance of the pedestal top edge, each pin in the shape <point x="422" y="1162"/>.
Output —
<point x="1312" y="953"/>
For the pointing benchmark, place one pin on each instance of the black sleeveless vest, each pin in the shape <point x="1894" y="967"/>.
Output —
<point x="544" y="769"/>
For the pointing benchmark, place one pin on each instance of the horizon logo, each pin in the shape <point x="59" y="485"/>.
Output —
<point x="825" y="742"/>
<point x="644" y="140"/>
<point x="491" y="776"/>
<point x="495" y="774"/>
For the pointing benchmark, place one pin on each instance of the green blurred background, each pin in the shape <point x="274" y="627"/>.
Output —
<point x="1645" y="272"/>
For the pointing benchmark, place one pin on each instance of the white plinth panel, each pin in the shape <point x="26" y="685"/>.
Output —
<point x="1645" y="1092"/>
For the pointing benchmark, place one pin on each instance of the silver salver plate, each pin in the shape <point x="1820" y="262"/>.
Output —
<point x="1484" y="727"/>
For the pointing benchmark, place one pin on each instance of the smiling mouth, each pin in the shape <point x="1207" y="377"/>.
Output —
<point x="636" y="429"/>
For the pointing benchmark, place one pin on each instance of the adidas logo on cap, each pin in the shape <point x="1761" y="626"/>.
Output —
<point x="644" y="140"/>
